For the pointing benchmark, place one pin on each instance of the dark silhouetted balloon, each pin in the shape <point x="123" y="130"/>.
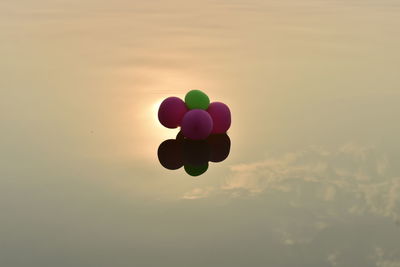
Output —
<point x="221" y="116"/>
<point x="195" y="152"/>
<point x="220" y="146"/>
<point x="180" y="137"/>
<point x="196" y="170"/>
<point x="170" y="154"/>
<point x="171" y="112"/>
<point x="194" y="155"/>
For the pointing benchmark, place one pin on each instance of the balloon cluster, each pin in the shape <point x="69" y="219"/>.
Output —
<point x="197" y="117"/>
<point x="194" y="155"/>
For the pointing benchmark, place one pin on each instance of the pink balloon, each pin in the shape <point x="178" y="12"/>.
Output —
<point x="197" y="124"/>
<point x="171" y="112"/>
<point x="221" y="116"/>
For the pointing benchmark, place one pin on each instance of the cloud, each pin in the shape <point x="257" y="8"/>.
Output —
<point x="384" y="259"/>
<point x="259" y="176"/>
<point x="198" y="193"/>
<point x="361" y="175"/>
<point x="332" y="258"/>
<point x="354" y="170"/>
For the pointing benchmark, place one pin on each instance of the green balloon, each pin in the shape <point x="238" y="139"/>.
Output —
<point x="196" y="170"/>
<point x="196" y="99"/>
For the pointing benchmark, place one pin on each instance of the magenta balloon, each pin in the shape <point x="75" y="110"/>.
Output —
<point x="171" y="112"/>
<point x="221" y="116"/>
<point x="197" y="124"/>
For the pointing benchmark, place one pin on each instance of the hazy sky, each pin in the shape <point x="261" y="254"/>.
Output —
<point x="313" y="177"/>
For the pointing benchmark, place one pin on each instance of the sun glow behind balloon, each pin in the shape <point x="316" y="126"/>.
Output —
<point x="154" y="109"/>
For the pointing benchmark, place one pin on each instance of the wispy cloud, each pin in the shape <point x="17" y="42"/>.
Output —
<point x="384" y="259"/>
<point x="361" y="174"/>
<point x="198" y="193"/>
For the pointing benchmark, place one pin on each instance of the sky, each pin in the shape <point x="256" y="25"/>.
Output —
<point x="312" y="178"/>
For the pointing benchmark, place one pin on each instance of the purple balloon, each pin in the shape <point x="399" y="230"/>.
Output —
<point x="171" y="112"/>
<point x="197" y="124"/>
<point x="221" y="116"/>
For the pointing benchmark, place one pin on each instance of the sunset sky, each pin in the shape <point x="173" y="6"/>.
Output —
<point x="313" y="175"/>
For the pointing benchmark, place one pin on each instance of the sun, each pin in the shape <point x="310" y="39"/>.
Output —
<point x="154" y="126"/>
<point x="155" y="106"/>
